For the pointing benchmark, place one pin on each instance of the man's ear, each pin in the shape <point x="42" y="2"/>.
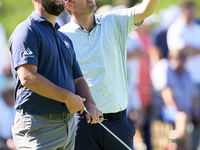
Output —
<point x="69" y="5"/>
<point x="37" y="1"/>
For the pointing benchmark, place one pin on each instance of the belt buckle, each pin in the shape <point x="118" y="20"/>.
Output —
<point x="65" y="116"/>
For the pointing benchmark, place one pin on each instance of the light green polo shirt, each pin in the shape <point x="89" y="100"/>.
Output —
<point x="101" y="54"/>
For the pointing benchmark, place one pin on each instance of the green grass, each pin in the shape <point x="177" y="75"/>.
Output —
<point x="13" y="12"/>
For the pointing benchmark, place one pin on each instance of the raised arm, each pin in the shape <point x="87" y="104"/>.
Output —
<point x="145" y="9"/>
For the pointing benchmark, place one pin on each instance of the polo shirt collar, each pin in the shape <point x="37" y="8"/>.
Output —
<point x="35" y="16"/>
<point x="97" y="19"/>
<point x="77" y="26"/>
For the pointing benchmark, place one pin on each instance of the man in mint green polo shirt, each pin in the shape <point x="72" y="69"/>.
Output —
<point x="100" y="46"/>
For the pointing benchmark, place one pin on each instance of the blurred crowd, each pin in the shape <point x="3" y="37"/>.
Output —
<point x="7" y="111"/>
<point x="162" y="59"/>
<point x="163" y="56"/>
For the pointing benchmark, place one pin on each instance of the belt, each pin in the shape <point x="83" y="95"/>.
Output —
<point x="114" y="116"/>
<point x="63" y="116"/>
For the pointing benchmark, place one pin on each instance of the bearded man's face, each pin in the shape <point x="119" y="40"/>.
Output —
<point x="53" y="7"/>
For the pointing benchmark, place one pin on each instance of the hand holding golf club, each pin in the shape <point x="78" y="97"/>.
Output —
<point x="95" y="117"/>
<point x="109" y="131"/>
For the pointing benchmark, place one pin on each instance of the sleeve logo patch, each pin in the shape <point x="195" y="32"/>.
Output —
<point x="28" y="53"/>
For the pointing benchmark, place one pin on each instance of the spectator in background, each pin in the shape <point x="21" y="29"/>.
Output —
<point x="160" y="129"/>
<point x="167" y="17"/>
<point x="184" y="33"/>
<point x="134" y="51"/>
<point x="7" y="111"/>
<point x="134" y="107"/>
<point x="145" y="87"/>
<point x="7" y="114"/>
<point x="144" y="81"/>
<point x="176" y="88"/>
<point x="4" y="57"/>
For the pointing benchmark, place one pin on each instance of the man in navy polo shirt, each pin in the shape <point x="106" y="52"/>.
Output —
<point x="49" y="85"/>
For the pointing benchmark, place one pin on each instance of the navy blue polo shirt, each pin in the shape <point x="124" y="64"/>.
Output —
<point x="36" y="42"/>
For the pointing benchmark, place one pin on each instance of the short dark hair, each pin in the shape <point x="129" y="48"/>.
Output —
<point x="187" y="4"/>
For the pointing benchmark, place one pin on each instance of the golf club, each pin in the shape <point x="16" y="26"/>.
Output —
<point x="110" y="131"/>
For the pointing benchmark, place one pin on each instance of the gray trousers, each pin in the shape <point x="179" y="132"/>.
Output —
<point x="35" y="132"/>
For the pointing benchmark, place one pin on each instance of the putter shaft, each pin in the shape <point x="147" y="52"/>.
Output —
<point x="110" y="132"/>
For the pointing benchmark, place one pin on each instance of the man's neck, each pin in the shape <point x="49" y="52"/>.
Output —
<point x="50" y="18"/>
<point x="85" y="21"/>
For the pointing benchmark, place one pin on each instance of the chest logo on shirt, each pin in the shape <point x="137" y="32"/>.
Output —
<point x="28" y="53"/>
<point x="66" y="44"/>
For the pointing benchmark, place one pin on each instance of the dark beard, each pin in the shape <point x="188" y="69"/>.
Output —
<point x="51" y="8"/>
